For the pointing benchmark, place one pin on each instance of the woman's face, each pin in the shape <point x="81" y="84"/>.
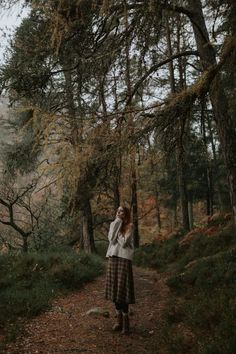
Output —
<point x="120" y="213"/>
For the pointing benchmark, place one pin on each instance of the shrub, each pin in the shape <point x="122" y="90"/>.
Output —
<point x="28" y="282"/>
<point x="203" y="285"/>
<point x="158" y="255"/>
<point x="101" y="247"/>
<point x="208" y="273"/>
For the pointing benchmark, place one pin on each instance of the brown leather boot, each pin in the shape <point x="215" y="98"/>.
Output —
<point x="125" y="329"/>
<point x="118" y="326"/>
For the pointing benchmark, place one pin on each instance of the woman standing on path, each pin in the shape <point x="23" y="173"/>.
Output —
<point x="119" y="277"/>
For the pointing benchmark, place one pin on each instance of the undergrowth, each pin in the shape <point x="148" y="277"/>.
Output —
<point x="201" y="312"/>
<point x="29" y="282"/>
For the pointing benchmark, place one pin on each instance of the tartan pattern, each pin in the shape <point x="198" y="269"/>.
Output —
<point x="119" y="281"/>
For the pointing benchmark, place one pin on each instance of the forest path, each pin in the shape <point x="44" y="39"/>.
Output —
<point x="66" y="328"/>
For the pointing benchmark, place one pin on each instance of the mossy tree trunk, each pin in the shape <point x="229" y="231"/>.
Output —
<point x="83" y="203"/>
<point x="224" y="122"/>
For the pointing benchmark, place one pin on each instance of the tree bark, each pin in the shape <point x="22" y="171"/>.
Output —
<point x="87" y="220"/>
<point x="190" y="213"/>
<point x="180" y="151"/>
<point x="218" y="188"/>
<point x="170" y="53"/>
<point x="134" y="198"/>
<point x="25" y="244"/>
<point x="224" y="122"/>
<point x="174" y="222"/>
<point x="87" y="241"/>
<point x="134" y="207"/>
<point x="158" y="214"/>
<point x="209" y="190"/>
<point x="116" y="191"/>
<point x="208" y="170"/>
<point x="182" y="188"/>
<point x="71" y="107"/>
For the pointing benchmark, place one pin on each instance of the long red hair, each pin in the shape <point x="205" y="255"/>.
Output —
<point x="126" y="220"/>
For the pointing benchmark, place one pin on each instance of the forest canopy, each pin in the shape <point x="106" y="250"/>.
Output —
<point x="117" y="102"/>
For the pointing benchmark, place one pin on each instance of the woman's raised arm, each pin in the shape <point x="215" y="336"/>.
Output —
<point x="114" y="230"/>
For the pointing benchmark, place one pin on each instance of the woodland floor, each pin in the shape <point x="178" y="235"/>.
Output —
<point x="66" y="328"/>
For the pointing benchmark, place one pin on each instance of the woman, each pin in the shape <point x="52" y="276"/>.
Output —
<point x="119" y="278"/>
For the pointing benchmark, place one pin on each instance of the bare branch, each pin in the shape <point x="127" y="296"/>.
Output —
<point x="156" y="67"/>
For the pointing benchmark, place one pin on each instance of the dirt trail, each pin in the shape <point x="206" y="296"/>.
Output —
<point x="66" y="328"/>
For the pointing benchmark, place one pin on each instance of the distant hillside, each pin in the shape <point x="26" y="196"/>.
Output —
<point x="4" y="132"/>
<point x="3" y="105"/>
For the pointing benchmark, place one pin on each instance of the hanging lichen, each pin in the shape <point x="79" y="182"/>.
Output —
<point x="104" y="9"/>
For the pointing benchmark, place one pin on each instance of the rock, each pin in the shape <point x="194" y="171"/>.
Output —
<point x="98" y="311"/>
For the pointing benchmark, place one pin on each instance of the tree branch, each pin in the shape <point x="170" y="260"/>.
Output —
<point x="156" y="67"/>
<point x="177" y="105"/>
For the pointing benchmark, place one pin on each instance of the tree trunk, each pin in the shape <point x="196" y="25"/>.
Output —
<point x="218" y="188"/>
<point x="134" y="199"/>
<point x="174" y="222"/>
<point x="181" y="61"/>
<point x="116" y="191"/>
<point x="190" y="213"/>
<point x="170" y="53"/>
<point x="158" y="216"/>
<point x="87" y="242"/>
<point x="224" y="122"/>
<point x="70" y="104"/>
<point x="87" y="220"/>
<point x="182" y="189"/>
<point x="134" y="205"/>
<point x="25" y="244"/>
<point x="209" y="191"/>
<point x="208" y="170"/>
<point x="179" y="152"/>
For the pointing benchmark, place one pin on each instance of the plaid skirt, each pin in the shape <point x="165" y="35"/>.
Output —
<point x="119" y="281"/>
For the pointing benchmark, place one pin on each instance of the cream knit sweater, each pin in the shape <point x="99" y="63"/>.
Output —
<point x="120" y="245"/>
